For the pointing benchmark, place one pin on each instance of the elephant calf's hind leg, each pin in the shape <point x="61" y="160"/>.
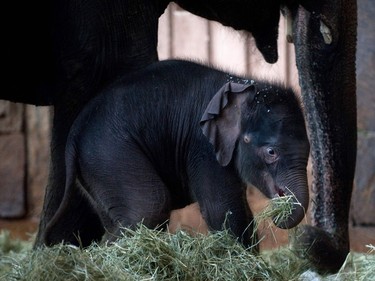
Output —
<point x="135" y="194"/>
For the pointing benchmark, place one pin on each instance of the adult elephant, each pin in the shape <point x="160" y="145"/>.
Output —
<point x="325" y="45"/>
<point x="68" y="50"/>
<point x="54" y="44"/>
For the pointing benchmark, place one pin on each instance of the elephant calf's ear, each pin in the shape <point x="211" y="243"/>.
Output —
<point x="220" y="122"/>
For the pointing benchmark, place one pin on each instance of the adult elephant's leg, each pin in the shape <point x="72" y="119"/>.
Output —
<point x="95" y="41"/>
<point x="325" y="54"/>
<point x="86" y="221"/>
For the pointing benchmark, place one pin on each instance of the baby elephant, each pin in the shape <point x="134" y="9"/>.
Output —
<point x="178" y="132"/>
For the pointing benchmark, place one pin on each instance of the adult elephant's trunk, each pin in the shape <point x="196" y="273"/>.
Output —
<point x="325" y="53"/>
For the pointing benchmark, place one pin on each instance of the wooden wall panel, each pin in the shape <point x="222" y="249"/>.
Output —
<point x="164" y="35"/>
<point x="12" y="161"/>
<point x="183" y="35"/>
<point x="189" y="35"/>
<point x="38" y="131"/>
<point x="11" y="117"/>
<point x="228" y="49"/>
<point x="12" y="176"/>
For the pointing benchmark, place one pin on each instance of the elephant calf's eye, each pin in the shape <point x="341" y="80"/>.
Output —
<point x="270" y="151"/>
<point x="270" y="155"/>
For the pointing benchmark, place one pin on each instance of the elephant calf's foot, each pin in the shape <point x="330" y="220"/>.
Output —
<point x="319" y="247"/>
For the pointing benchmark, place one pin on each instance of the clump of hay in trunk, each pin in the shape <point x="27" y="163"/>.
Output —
<point x="278" y="209"/>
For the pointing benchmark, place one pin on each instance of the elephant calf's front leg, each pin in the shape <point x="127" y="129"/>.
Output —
<point x="229" y="210"/>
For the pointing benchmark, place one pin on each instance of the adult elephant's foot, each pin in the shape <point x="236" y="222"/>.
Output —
<point x="322" y="249"/>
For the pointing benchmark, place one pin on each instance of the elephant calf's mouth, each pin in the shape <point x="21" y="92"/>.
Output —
<point x="279" y="191"/>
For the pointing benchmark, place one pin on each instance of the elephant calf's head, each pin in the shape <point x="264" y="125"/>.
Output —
<point x="261" y="128"/>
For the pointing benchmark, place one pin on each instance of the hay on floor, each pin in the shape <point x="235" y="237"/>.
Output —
<point x="145" y="254"/>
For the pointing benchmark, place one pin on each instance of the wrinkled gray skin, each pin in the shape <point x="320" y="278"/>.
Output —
<point x="137" y="159"/>
<point x="327" y="78"/>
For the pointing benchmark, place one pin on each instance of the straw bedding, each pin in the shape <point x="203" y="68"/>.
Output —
<point x="145" y="254"/>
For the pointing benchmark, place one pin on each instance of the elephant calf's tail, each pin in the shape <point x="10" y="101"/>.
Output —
<point x="62" y="222"/>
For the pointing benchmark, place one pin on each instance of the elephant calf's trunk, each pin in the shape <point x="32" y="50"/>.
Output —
<point x="292" y="208"/>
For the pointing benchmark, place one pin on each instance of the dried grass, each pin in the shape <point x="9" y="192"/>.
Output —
<point x="278" y="209"/>
<point x="144" y="254"/>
